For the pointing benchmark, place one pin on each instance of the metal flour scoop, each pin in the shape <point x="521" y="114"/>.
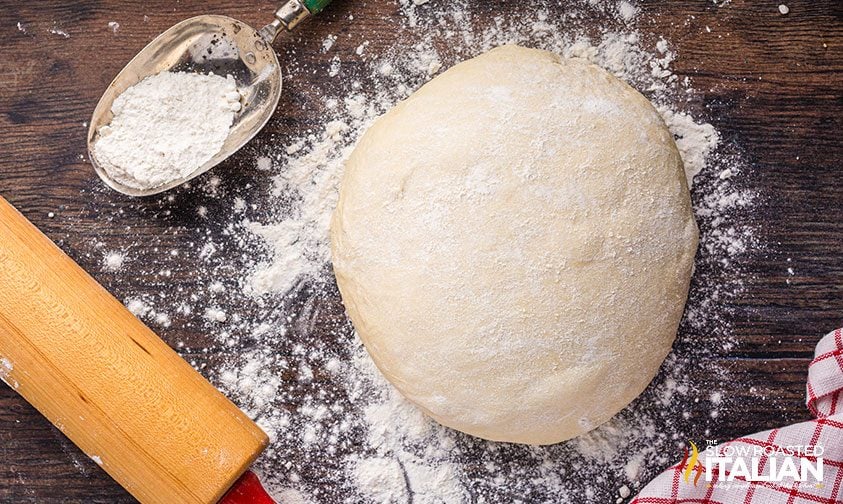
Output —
<point x="205" y="44"/>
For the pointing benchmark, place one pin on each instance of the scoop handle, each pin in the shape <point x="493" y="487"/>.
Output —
<point x="290" y="14"/>
<point x="316" y="6"/>
<point x="103" y="378"/>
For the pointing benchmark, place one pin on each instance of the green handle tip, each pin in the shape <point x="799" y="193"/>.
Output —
<point x="316" y="6"/>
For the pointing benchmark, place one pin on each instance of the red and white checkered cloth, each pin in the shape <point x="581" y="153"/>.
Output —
<point x="825" y="400"/>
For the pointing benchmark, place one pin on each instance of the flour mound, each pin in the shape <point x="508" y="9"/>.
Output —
<point x="165" y="127"/>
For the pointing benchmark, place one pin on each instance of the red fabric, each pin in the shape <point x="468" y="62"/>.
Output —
<point x="247" y="490"/>
<point x="825" y="400"/>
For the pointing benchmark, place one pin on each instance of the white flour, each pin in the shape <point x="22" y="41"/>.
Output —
<point x="113" y="260"/>
<point x="695" y="141"/>
<point x="339" y="432"/>
<point x="382" y="479"/>
<point x="166" y="126"/>
<point x="6" y="368"/>
<point x="56" y="30"/>
<point x="311" y="178"/>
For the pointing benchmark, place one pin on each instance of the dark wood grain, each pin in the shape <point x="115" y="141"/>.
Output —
<point x="772" y="85"/>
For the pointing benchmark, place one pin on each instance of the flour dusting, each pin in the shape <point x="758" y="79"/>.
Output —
<point x="696" y="141"/>
<point x="113" y="260"/>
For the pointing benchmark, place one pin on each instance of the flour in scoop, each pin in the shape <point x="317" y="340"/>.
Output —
<point x="166" y="126"/>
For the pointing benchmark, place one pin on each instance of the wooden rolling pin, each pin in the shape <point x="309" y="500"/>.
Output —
<point x="110" y="384"/>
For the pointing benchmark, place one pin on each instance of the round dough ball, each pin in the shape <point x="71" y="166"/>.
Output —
<point x="514" y="244"/>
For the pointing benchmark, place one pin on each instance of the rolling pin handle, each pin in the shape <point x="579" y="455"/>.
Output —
<point x="247" y="490"/>
<point x="111" y="384"/>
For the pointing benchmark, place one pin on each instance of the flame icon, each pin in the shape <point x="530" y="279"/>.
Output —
<point x="692" y="465"/>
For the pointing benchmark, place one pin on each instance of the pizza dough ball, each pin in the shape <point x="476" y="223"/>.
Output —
<point x="514" y="244"/>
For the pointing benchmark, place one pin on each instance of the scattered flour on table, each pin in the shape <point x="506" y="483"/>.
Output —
<point x="696" y="141"/>
<point x="215" y="315"/>
<point x="298" y="241"/>
<point x="339" y="432"/>
<point x="113" y="260"/>
<point x="137" y="307"/>
<point x="627" y="11"/>
<point x="381" y="479"/>
<point x="144" y="310"/>
<point x="56" y="30"/>
<point x="166" y="126"/>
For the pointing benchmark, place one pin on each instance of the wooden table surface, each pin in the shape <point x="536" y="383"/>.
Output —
<point x="772" y="85"/>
